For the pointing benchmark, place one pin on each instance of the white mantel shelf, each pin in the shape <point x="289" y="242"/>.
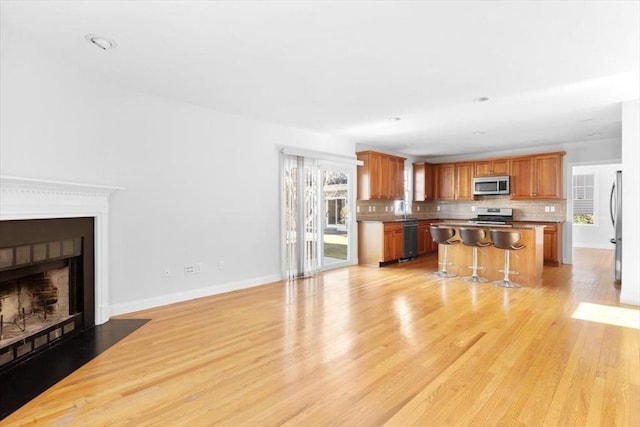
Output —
<point x="29" y="198"/>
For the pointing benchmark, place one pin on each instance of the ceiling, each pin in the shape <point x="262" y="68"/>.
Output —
<point x="554" y="72"/>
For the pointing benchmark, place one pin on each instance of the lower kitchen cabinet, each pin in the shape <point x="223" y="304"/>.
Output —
<point x="552" y="237"/>
<point x="552" y="243"/>
<point x="379" y="242"/>
<point x="393" y="240"/>
<point x="425" y="242"/>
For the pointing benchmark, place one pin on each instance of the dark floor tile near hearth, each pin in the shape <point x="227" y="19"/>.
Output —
<point x="29" y="379"/>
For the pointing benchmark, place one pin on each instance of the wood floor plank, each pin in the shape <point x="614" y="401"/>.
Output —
<point x="367" y="346"/>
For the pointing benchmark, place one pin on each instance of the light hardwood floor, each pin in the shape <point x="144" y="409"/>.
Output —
<point x="363" y="346"/>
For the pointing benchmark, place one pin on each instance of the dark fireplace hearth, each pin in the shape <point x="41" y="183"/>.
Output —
<point x="46" y="284"/>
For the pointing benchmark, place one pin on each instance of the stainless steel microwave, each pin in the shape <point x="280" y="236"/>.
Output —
<point x="490" y="185"/>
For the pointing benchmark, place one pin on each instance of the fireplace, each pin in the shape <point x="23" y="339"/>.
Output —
<point x="46" y="284"/>
<point x="54" y="275"/>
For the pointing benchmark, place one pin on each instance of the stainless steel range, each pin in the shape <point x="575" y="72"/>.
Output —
<point x="497" y="216"/>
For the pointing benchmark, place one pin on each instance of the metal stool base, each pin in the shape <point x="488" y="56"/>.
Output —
<point x="507" y="284"/>
<point x="475" y="279"/>
<point x="443" y="274"/>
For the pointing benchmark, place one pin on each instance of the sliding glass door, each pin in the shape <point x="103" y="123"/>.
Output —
<point x="316" y="215"/>
<point x="335" y="203"/>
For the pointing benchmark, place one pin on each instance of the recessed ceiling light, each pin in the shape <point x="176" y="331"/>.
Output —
<point x="594" y="134"/>
<point x="394" y="119"/>
<point x="101" y="42"/>
<point x="481" y="99"/>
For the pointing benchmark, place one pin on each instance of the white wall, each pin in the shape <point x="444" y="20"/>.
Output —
<point x="597" y="235"/>
<point x="630" y="293"/>
<point x="201" y="186"/>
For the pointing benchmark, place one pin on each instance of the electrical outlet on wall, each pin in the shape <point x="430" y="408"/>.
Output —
<point x="553" y="208"/>
<point x="198" y="267"/>
<point x="418" y="208"/>
<point x="189" y="269"/>
<point x="546" y="209"/>
<point x="473" y="208"/>
<point x="165" y="273"/>
<point x="438" y="208"/>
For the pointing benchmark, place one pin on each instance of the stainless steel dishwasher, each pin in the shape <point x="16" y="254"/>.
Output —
<point x="410" y="237"/>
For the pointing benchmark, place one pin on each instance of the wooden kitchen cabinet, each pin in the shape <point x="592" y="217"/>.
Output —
<point x="464" y="181"/>
<point x="425" y="242"/>
<point x="423" y="182"/>
<point x="379" y="242"/>
<point x="537" y="177"/>
<point x="552" y="242"/>
<point x="453" y="181"/>
<point x="445" y="181"/>
<point x="381" y="176"/>
<point x="393" y="241"/>
<point x="493" y="167"/>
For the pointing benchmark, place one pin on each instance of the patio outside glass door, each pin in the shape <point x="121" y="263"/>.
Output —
<point x="335" y="198"/>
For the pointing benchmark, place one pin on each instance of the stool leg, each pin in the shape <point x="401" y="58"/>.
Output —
<point x="505" y="282"/>
<point x="443" y="272"/>
<point x="474" y="278"/>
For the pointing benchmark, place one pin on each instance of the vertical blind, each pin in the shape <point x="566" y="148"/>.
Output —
<point x="301" y="216"/>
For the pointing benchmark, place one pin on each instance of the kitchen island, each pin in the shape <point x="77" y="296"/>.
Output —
<point x="528" y="262"/>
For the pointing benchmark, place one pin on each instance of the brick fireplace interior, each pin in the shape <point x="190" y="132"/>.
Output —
<point x="46" y="284"/>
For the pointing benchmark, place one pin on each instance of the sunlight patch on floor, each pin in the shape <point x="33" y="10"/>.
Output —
<point x="618" y="316"/>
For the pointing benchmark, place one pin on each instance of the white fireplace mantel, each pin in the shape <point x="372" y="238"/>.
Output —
<point x="27" y="198"/>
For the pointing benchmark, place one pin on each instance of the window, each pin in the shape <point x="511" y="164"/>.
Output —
<point x="403" y="207"/>
<point x="583" y="189"/>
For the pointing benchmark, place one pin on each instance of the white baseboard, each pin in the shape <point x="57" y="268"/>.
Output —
<point x="594" y="245"/>
<point x="160" y="300"/>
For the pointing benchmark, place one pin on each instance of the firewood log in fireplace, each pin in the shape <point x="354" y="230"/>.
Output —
<point x="44" y="296"/>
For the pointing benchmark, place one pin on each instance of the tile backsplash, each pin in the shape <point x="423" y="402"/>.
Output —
<point x="523" y="210"/>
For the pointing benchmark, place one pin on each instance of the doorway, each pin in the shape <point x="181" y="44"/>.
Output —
<point x="589" y="205"/>
<point x="316" y="219"/>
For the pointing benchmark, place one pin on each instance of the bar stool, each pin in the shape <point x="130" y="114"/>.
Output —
<point x="476" y="238"/>
<point x="443" y="236"/>
<point x="509" y="241"/>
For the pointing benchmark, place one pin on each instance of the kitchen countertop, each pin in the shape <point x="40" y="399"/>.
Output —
<point x="513" y="225"/>
<point x="464" y="223"/>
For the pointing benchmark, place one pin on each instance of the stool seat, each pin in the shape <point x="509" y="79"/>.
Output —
<point x="476" y="238"/>
<point x="444" y="236"/>
<point x="508" y="240"/>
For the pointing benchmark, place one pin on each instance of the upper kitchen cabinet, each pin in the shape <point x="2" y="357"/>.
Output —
<point x="445" y="181"/>
<point x="537" y="177"/>
<point x="423" y="182"/>
<point x="381" y="176"/>
<point x="453" y="181"/>
<point x="494" y="167"/>
<point x="464" y="181"/>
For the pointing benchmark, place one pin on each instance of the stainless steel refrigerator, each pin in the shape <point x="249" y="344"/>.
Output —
<point x="615" y="208"/>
